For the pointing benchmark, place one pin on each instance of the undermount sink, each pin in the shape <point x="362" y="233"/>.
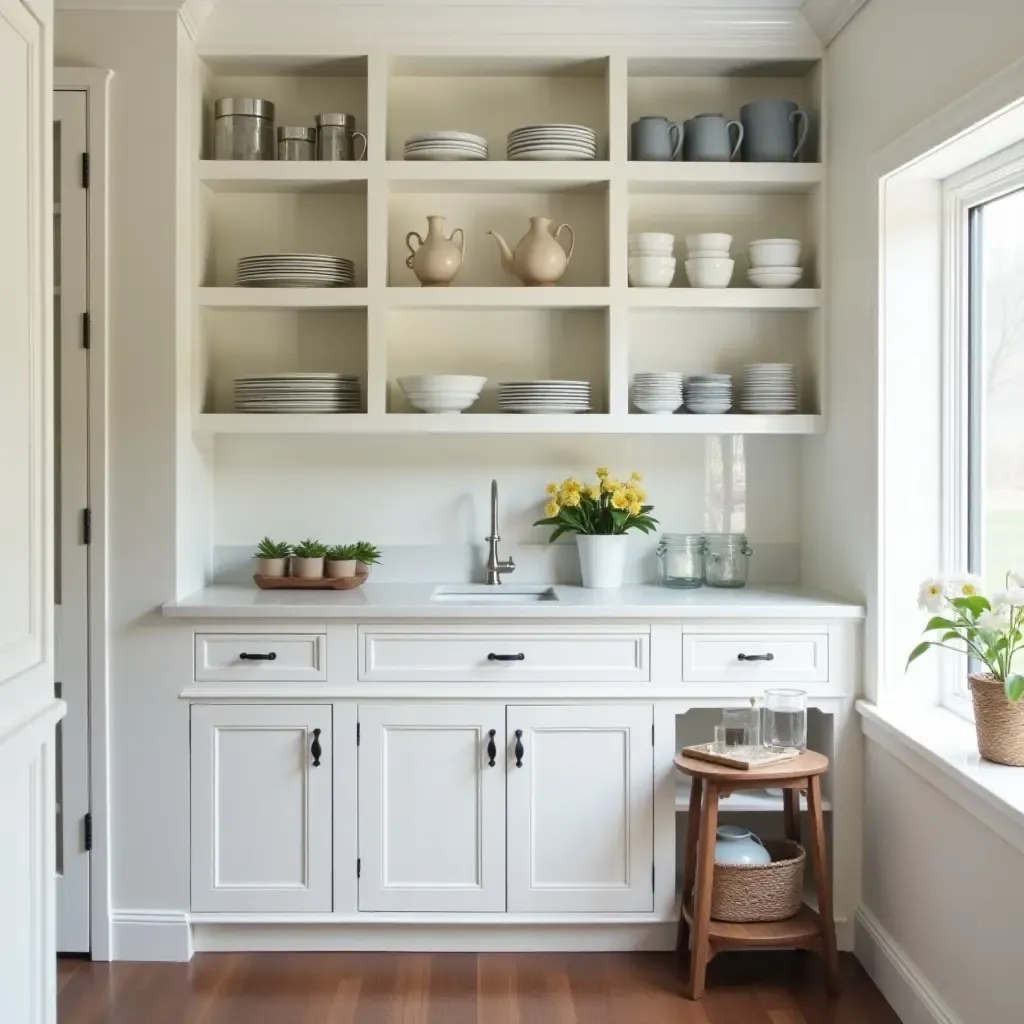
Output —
<point x="484" y="594"/>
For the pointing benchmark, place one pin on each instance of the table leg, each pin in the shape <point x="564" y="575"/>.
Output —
<point x="690" y="863"/>
<point x="702" y="899"/>
<point x="823" y="881"/>
<point x="791" y="813"/>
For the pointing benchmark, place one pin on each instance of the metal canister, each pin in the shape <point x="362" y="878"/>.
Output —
<point x="243" y="129"/>
<point x="334" y="135"/>
<point x="296" y="143"/>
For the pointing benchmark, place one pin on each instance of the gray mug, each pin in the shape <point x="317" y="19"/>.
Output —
<point x="771" y="132"/>
<point x="706" y="137"/>
<point x="655" y="138"/>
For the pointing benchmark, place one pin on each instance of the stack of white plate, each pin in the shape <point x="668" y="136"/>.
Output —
<point x="295" y="270"/>
<point x="552" y="142"/>
<point x="445" y="146"/>
<point x="544" y="396"/>
<point x="774" y="262"/>
<point x="297" y="392"/>
<point x="658" y="393"/>
<point x="769" y="388"/>
<point x="442" y="392"/>
<point x="709" y="393"/>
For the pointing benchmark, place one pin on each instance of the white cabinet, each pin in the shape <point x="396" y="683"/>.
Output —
<point x="262" y="810"/>
<point x="263" y="657"/>
<point x="432" y="807"/>
<point x="580" y="809"/>
<point x="769" y="658"/>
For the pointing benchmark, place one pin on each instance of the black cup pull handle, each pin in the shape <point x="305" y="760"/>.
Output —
<point x="492" y="750"/>
<point x="316" y="750"/>
<point x="506" y="657"/>
<point x="272" y="656"/>
<point x="757" y="657"/>
<point x="519" y="748"/>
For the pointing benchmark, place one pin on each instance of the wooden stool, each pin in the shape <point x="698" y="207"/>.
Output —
<point x="808" y="929"/>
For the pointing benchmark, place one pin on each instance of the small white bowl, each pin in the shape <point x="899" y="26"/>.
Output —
<point x="709" y="254"/>
<point x="658" y="406"/>
<point x="709" y="273"/>
<point x="710" y="242"/>
<point x="774" y="252"/>
<point x="442" y="382"/>
<point x="775" y="277"/>
<point x="652" y="240"/>
<point x="651" y="271"/>
<point x="440" y="401"/>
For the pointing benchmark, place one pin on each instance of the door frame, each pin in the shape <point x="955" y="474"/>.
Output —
<point x="95" y="83"/>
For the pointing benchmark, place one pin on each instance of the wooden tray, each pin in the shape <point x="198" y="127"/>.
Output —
<point x="765" y="758"/>
<point x="322" y="583"/>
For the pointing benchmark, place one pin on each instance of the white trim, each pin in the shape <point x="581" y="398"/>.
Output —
<point x="898" y="978"/>
<point x="160" y="935"/>
<point x="829" y="17"/>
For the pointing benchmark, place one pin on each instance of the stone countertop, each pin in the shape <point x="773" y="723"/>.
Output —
<point x="383" y="602"/>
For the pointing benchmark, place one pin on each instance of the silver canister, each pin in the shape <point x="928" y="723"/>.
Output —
<point x="296" y="143"/>
<point x="334" y="135"/>
<point x="243" y="129"/>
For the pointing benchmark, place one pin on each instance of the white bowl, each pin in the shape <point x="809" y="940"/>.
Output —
<point x="710" y="242"/>
<point x="442" y="382"/>
<point x="652" y="240"/>
<point x="706" y="272"/>
<point x="774" y="252"/>
<point x="658" y="406"/>
<point x="651" y="271"/>
<point x="775" y="277"/>
<point x="441" y="401"/>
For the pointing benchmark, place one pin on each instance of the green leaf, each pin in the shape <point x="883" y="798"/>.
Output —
<point x="557" y="533"/>
<point x="951" y="635"/>
<point x="1014" y="685"/>
<point x="549" y="521"/>
<point x="975" y="605"/>
<point x="938" y="622"/>
<point x="918" y="651"/>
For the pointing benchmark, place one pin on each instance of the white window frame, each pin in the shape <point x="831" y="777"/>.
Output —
<point x="974" y="186"/>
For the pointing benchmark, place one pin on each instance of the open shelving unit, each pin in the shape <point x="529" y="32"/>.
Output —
<point x="591" y="326"/>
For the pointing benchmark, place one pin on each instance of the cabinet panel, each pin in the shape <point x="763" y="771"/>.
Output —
<point x="755" y="658"/>
<point x="261" y="657"/>
<point x="261" y="808"/>
<point x="431" y="807"/>
<point x="580" y="809"/>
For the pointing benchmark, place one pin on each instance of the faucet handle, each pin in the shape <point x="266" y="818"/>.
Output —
<point x="509" y="563"/>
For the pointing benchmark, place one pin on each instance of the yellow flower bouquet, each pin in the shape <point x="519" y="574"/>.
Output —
<point x="606" y="508"/>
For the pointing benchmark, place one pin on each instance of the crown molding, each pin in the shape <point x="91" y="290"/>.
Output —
<point x="193" y="14"/>
<point x="120" y="5"/>
<point x="829" y="17"/>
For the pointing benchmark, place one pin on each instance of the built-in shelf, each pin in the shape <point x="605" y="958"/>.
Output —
<point x="283" y="176"/>
<point x="751" y="800"/>
<point x="509" y="297"/>
<point x="508" y="176"/>
<point x="697" y="177"/>
<point x="282" y="298"/>
<point x="724" y="298"/>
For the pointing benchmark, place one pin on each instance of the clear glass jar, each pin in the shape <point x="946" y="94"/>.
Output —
<point x="785" y="719"/>
<point x="726" y="559"/>
<point x="243" y="129"/>
<point x="682" y="560"/>
<point x="294" y="143"/>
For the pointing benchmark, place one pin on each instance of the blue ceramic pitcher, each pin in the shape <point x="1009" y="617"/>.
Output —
<point x="739" y="846"/>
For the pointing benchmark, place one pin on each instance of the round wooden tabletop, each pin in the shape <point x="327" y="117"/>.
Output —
<point x="810" y="762"/>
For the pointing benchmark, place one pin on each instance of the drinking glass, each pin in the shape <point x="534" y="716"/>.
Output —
<point x="736" y="723"/>
<point x="785" y="719"/>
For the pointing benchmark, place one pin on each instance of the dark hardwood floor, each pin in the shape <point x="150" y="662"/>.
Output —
<point x="458" y="988"/>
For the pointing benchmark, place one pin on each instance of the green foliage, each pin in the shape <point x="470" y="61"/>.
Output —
<point x="343" y="553"/>
<point x="367" y="553"/>
<point x="268" y="548"/>
<point x="310" y="549"/>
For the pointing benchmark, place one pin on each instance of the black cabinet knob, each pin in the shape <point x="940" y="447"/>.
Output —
<point x="756" y="657"/>
<point x="272" y="656"/>
<point x="492" y="750"/>
<point x="315" y="749"/>
<point x="506" y="657"/>
<point x="519" y="748"/>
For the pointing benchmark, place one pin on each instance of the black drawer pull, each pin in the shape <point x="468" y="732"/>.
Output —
<point x="506" y="657"/>
<point x="492" y="750"/>
<point x="272" y="656"/>
<point x="756" y="657"/>
<point x="316" y="750"/>
<point x="519" y="748"/>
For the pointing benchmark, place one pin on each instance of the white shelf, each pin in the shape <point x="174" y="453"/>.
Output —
<point x="677" y="178"/>
<point x="724" y="298"/>
<point x="510" y="297"/>
<point x="501" y="176"/>
<point x="282" y="298"/>
<point x="283" y="176"/>
<point x="751" y="800"/>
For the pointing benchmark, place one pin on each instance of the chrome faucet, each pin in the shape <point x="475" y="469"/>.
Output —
<point x="495" y="567"/>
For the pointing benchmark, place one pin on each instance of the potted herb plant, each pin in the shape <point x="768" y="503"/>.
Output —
<point x="600" y="515"/>
<point x="368" y="556"/>
<point x="991" y="632"/>
<point x="308" y="560"/>
<point x="342" y="560"/>
<point x="272" y="557"/>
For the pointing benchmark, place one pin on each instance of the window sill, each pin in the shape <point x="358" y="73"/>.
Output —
<point x="942" y="748"/>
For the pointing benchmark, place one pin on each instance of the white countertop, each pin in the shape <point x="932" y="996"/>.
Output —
<point x="377" y="602"/>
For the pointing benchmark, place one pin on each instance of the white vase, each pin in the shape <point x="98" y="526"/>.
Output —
<point x="602" y="559"/>
<point x="271" y="566"/>
<point x="341" y="570"/>
<point x="307" y="568"/>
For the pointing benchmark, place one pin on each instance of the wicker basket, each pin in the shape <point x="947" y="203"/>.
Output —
<point x="760" y="892"/>
<point x="1000" y="724"/>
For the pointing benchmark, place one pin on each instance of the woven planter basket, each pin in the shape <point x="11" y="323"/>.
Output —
<point x="760" y="892"/>
<point x="999" y="723"/>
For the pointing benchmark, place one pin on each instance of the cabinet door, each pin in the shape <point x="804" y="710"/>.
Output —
<point x="261" y="807"/>
<point x="580" y="809"/>
<point x="431" y="807"/>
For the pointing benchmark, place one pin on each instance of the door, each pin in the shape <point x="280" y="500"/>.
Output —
<point x="432" y="807"/>
<point x="580" y="809"/>
<point x="261" y="807"/>
<point x="71" y="498"/>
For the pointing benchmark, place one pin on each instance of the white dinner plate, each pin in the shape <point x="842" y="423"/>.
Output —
<point x="446" y="136"/>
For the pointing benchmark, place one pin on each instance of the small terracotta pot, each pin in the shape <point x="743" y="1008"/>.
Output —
<point x="308" y="568"/>
<point x="272" y="566"/>
<point x="998" y="721"/>
<point x="341" y="570"/>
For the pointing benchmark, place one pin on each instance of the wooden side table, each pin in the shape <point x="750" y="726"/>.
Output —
<point x="809" y="929"/>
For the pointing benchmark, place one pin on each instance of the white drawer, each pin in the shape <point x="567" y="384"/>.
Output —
<point x="485" y="654"/>
<point x="261" y="657"/>
<point x="755" y="658"/>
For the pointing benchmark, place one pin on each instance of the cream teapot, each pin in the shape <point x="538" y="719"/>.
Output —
<point x="538" y="258"/>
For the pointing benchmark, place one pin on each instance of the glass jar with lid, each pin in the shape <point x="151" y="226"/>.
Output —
<point x="243" y="129"/>
<point x="296" y="143"/>
<point x="726" y="559"/>
<point x="682" y="560"/>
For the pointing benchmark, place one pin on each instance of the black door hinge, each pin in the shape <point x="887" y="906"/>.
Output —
<point x="86" y="525"/>
<point x="88" y="831"/>
<point x="85" y="170"/>
<point x="86" y="331"/>
<point x="359" y="732"/>
<point x="359" y="867"/>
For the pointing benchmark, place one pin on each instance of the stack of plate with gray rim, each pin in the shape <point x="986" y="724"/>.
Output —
<point x="544" y="396"/>
<point x="709" y="393"/>
<point x="297" y="392"/>
<point x="295" y="270"/>
<point x="769" y="388"/>
<point x="552" y="142"/>
<point x="445" y="146"/>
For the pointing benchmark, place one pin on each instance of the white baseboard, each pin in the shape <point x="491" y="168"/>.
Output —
<point x="151" y="935"/>
<point x="898" y="978"/>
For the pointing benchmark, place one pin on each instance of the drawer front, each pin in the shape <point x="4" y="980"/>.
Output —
<point x="487" y="655"/>
<point x="754" y="658"/>
<point x="261" y="657"/>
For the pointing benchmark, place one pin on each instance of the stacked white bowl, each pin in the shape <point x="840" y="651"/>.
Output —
<point x="769" y="388"/>
<point x="774" y="262"/>
<point x="708" y="263"/>
<point x="658" y="393"/>
<point x="651" y="263"/>
<point x="708" y="393"/>
<point x="447" y="392"/>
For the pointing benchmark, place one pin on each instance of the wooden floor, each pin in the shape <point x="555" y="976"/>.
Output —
<point x="457" y="988"/>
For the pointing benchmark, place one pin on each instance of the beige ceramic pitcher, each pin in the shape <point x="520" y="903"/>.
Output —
<point x="539" y="258"/>
<point x="436" y="260"/>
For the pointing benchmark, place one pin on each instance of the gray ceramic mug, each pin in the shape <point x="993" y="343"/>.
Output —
<point x="771" y="132"/>
<point x="655" y="138"/>
<point x="706" y="137"/>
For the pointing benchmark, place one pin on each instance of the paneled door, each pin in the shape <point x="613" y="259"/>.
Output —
<point x="432" y="807"/>
<point x="580" y="809"/>
<point x="262" y="814"/>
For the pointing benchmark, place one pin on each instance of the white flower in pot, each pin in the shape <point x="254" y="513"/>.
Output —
<point x="308" y="560"/>
<point x="342" y="560"/>
<point x="368" y="556"/>
<point x="272" y="557"/>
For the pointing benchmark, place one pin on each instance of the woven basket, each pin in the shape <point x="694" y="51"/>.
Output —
<point x="745" y="893"/>
<point x="1000" y="724"/>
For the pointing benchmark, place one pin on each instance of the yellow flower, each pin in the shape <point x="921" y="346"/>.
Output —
<point x="610" y="485"/>
<point x="551" y="509"/>
<point x="620" y="500"/>
<point x="594" y="492"/>
<point x="635" y="477"/>
<point x="551" y="488"/>
<point x="571" y="485"/>
<point x="630" y="493"/>
<point x="601" y="472"/>
<point x="641" y="494"/>
<point x="572" y="499"/>
<point x="634" y="509"/>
